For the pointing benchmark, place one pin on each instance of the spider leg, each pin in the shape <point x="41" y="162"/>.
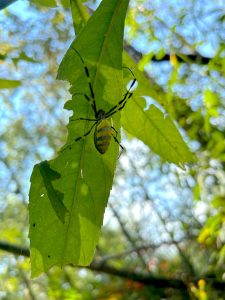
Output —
<point x="122" y="102"/>
<point x="122" y="148"/>
<point x="87" y="98"/>
<point x="92" y="99"/>
<point x="115" y="107"/>
<point x="79" y="138"/>
<point x="118" y="107"/>
<point x="116" y="132"/>
<point x="83" y="119"/>
<point x="87" y="133"/>
<point x="115" y="137"/>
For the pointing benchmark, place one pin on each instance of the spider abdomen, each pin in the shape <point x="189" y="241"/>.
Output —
<point x="102" y="135"/>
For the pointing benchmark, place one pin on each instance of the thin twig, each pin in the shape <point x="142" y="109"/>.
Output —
<point x="127" y="234"/>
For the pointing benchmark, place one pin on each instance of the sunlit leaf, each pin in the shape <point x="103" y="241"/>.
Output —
<point x="144" y="88"/>
<point x="79" y="14"/>
<point x="23" y="56"/>
<point x="53" y="3"/>
<point x="86" y="175"/>
<point x="48" y="3"/>
<point x="151" y="126"/>
<point x="156" y="131"/>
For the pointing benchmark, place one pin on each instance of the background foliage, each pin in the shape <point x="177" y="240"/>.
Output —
<point x="164" y="227"/>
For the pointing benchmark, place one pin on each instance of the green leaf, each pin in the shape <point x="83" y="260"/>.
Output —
<point x="65" y="3"/>
<point x="23" y="56"/>
<point x="48" y="3"/>
<point x="210" y="99"/>
<point x="210" y="231"/>
<point x="79" y="14"/>
<point x="156" y="131"/>
<point x="160" y="54"/>
<point x="151" y="126"/>
<point x="3" y="56"/>
<point x="86" y="175"/>
<point x="8" y="84"/>
<point x="54" y="3"/>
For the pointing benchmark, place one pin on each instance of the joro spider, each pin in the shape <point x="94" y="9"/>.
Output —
<point x="103" y="128"/>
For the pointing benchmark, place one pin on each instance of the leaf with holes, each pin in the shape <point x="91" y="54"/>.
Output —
<point x="86" y="175"/>
<point x="163" y="136"/>
<point x="156" y="131"/>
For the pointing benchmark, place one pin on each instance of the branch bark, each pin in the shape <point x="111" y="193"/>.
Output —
<point x="194" y="58"/>
<point x="145" y="279"/>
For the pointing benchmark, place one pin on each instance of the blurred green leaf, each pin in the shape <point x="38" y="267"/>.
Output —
<point x="53" y="3"/>
<point x="210" y="231"/>
<point x="23" y="56"/>
<point x="65" y="3"/>
<point x="48" y="3"/>
<point x="219" y="202"/>
<point x="8" y="84"/>
<point x="3" y="56"/>
<point x="197" y="191"/>
<point x="210" y="99"/>
<point x="160" y="54"/>
<point x="211" y="103"/>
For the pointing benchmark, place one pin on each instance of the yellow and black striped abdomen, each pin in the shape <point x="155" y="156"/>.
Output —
<point x="102" y="135"/>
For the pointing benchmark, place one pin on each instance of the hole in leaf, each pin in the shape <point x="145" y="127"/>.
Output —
<point x="150" y="101"/>
<point x="84" y="189"/>
<point x="74" y="165"/>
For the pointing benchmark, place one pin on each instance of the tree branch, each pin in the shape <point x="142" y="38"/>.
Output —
<point x="145" y="279"/>
<point x="105" y="268"/>
<point x="136" y="249"/>
<point x="14" y="249"/>
<point x="182" y="58"/>
<point x="127" y="234"/>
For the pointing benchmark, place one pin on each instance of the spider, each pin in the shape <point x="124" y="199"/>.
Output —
<point x="104" y="130"/>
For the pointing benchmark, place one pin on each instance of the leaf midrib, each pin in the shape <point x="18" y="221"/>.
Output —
<point x="105" y="39"/>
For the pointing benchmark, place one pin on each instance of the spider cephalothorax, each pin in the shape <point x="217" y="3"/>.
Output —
<point x="104" y="130"/>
